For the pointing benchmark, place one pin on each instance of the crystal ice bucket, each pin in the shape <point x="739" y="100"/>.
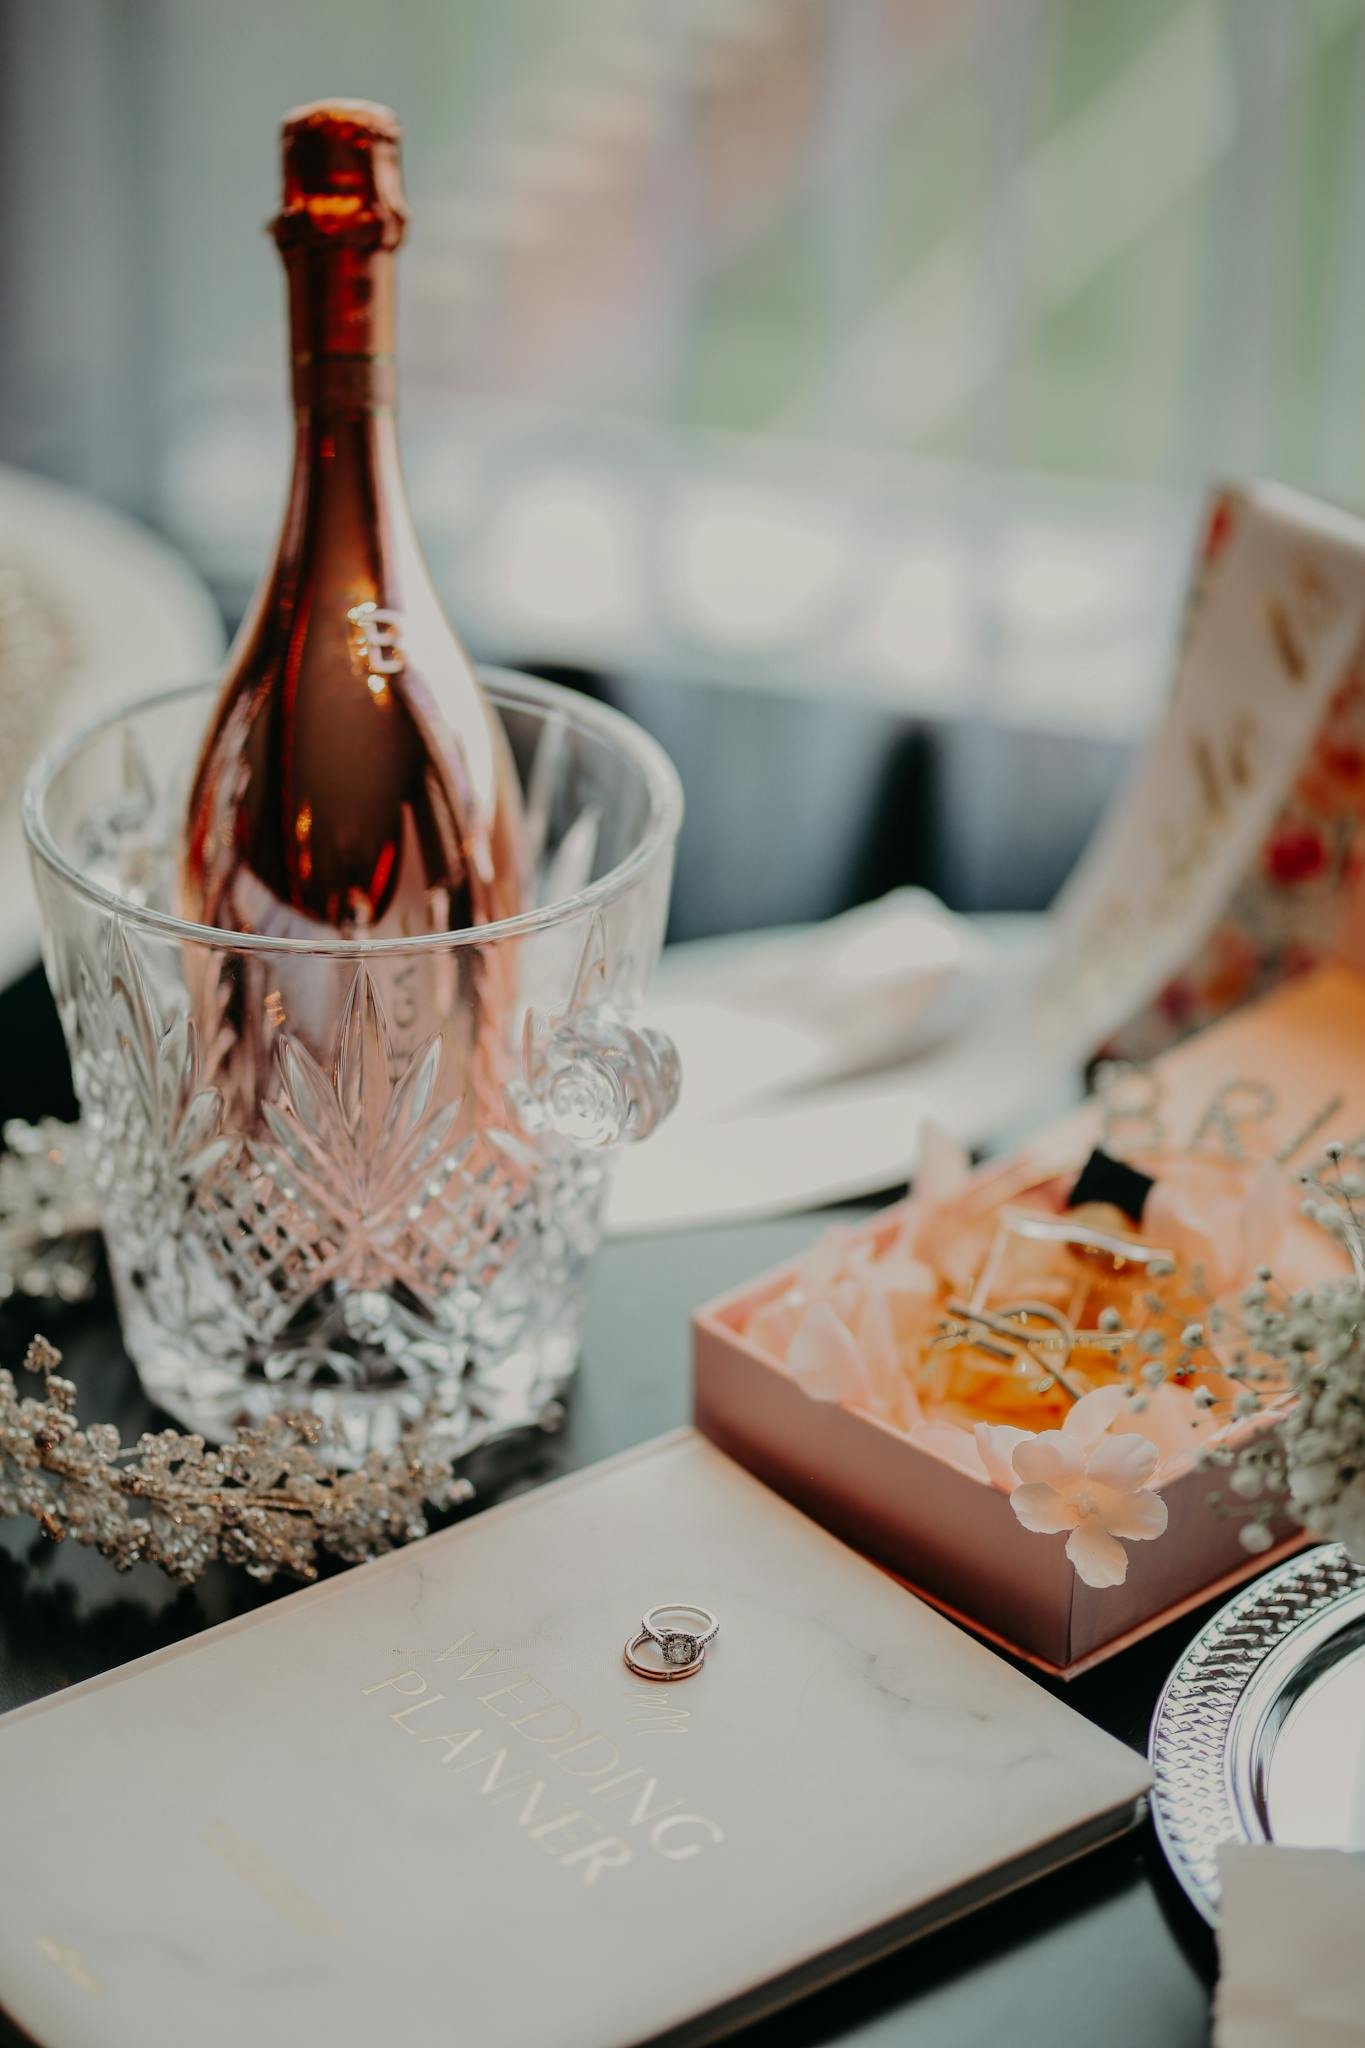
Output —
<point x="358" y="1178"/>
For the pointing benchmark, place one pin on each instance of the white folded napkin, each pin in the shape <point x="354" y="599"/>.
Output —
<point x="1292" y="1947"/>
<point x="811" y="1059"/>
<point x="767" y="1013"/>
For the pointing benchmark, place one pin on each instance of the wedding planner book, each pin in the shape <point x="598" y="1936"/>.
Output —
<point x="426" y="1801"/>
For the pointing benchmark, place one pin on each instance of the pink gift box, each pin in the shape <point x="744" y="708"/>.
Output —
<point x="953" y="1537"/>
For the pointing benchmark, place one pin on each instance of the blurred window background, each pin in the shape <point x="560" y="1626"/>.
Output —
<point x="830" y="382"/>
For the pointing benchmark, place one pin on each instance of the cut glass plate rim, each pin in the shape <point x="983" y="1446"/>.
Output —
<point x="1215" y="1726"/>
<point x="138" y="615"/>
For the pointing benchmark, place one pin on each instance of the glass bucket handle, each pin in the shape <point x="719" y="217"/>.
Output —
<point x="590" y="1074"/>
<point x="598" y="1080"/>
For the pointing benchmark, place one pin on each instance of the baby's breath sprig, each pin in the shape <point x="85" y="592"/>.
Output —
<point x="269" y="1499"/>
<point x="1305" y="1354"/>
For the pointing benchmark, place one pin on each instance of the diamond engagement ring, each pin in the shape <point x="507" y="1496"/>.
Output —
<point x="682" y="1651"/>
<point x="680" y="1645"/>
<point x="660" y="1673"/>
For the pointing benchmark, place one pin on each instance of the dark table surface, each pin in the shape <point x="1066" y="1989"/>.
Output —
<point x="1107" y="1950"/>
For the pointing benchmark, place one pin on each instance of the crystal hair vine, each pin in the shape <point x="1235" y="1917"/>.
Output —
<point x="270" y="1499"/>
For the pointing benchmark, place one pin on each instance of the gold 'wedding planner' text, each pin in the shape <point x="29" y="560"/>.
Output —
<point x="568" y="1789"/>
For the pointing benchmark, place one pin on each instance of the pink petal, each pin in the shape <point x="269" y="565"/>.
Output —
<point x="903" y="1280"/>
<point x="905" y="1315"/>
<point x="773" y="1326"/>
<point x="1175" y="1425"/>
<point x="1122" y="1461"/>
<point x="862" y="1257"/>
<point x="1049" y="1460"/>
<point x="871" y="1322"/>
<point x="942" y="1168"/>
<point x="893" y="1395"/>
<point x="1141" y="1517"/>
<point x="1043" y="1510"/>
<point x="1098" y="1559"/>
<point x="996" y="1442"/>
<point x="843" y="1297"/>
<point x="824" y="1262"/>
<point x="824" y="1360"/>
<point x="954" y="1240"/>
<point x="947" y="1440"/>
<point x="1088" y="1420"/>
<point x="908" y="1413"/>
<point x="1266" y="1215"/>
<point x="1188" y="1214"/>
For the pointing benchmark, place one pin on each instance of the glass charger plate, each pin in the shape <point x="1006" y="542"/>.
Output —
<point x="1259" y="1734"/>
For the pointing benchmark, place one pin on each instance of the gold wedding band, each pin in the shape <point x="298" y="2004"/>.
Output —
<point x="660" y="1674"/>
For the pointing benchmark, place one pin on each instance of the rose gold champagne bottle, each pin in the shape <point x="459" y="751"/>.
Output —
<point x="354" y="783"/>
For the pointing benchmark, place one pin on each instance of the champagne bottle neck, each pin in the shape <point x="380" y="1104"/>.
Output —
<point x="347" y="524"/>
<point x="341" y="328"/>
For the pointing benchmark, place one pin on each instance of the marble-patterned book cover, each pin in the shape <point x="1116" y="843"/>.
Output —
<point x="426" y="1801"/>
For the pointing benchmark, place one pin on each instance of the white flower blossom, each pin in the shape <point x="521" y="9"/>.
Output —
<point x="1084" y="1480"/>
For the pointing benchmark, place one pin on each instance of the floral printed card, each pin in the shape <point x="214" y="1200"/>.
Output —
<point x="1233" y="858"/>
